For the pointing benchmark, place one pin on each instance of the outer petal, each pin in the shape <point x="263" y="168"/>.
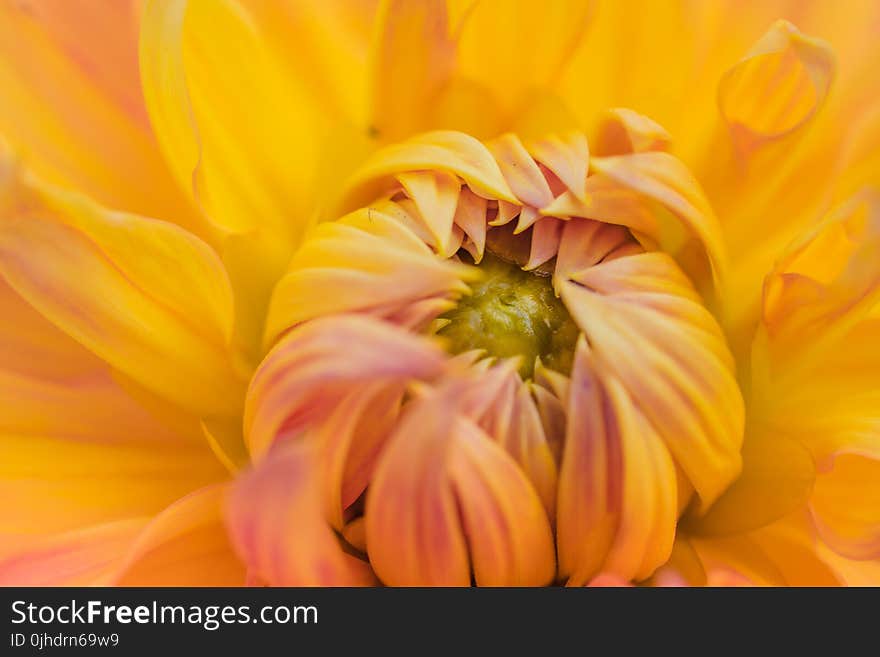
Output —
<point x="446" y="500"/>
<point x="412" y="60"/>
<point x="276" y="522"/>
<point x="512" y="47"/>
<point x="242" y="136"/>
<point x="82" y="557"/>
<point x="70" y="102"/>
<point x="146" y="296"/>
<point x="185" y="545"/>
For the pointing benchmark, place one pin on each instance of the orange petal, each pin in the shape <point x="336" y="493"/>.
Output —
<point x="185" y="545"/>
<point x="617" y="496"/>
<point x="846" y="506"/>
<point x="446" y="500"/>
<point x="276" y="522"/>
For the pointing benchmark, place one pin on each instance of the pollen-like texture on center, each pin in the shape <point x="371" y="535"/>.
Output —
<point x="512" y="313"/>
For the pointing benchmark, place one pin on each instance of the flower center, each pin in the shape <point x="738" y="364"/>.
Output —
<point x="512" y="313"/>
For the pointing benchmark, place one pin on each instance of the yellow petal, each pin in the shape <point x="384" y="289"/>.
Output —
<point x="412" y="59"/>
<point x="72" y="106"/>
<point x="625" y="131"/>
<point x="242" y="136"/>
<point x="65" y="443"/>
<point x="276" y="522"/>
<point x="185" y="545"/>
<point x="146" y="296"/>
<point x="447" y="499"/>
<point x="513" y="46"/>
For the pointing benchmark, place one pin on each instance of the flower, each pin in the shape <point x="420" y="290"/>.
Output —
<point x="439" y="293"/>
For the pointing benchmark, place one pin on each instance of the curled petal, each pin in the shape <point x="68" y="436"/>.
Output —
<point x="452" y="152"/>
<point x="316" y="365"/>
<point x="276" y="523"/>
<point x="504" y="408"/>
<point x="821" y="288"/>
<point x="617" y="495"/>
<point x="662" y="178"/>
<point x="435" y="194"/>
<point x="368" y="261"/>
<point x="635" y="312"/>
<point x="778" y="87"/>
<point x="624" y="131"/>
<point x="521" y="171"/>
<point x="567" y="157"/>
<point x="447" y="501"/>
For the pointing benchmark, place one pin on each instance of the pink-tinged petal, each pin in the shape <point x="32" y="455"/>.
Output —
<point x="567" y="156"/>
<point x="470" y="216"/>
<point x="507" y="212"/>
<point x="546" y="237"/>
<point x="435" y="195"/>
<point x="83" y="557"/>
<point x="617" y="502"/>
<point x="585" y="243"/>
<point x="447" y="501"/>
<point x="522" y="173"/>
<point x="368" y="261"/>
<point x="185" y="545"/>
<point x="648" y="329"/>
<point x="777" y="87"/>
<point x="443" y="150"/>
<point x="276" y="523"/>
<point x="624" y="131"/>
<point x="413" y="59"/>
<point x="660" y="177"/>
<point x="503" y="407"/>
<point x="337" y="383"/>
<point x="609" y="580"/>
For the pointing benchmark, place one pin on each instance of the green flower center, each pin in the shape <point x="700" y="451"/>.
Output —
<point x="513" y="313"/>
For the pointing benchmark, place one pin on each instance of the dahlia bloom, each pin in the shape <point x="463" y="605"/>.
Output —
<point x="439" y="293"/>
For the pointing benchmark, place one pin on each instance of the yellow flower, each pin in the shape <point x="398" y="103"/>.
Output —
<point x="427" y="292"/>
